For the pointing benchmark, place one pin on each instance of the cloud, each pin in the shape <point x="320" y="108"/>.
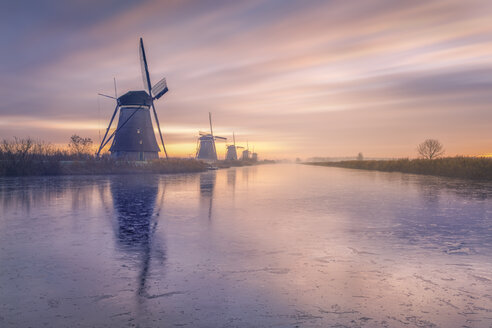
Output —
<point x="309" y="78"/>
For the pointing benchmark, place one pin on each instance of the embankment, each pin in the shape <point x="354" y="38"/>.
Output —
<point x="31" y="167"/>
<point x="476" y="168"/>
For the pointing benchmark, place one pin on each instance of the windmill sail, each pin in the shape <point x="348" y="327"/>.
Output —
<point x="144" y="67"/>
<point x="159" y="89"/>
<point x="148" y="86"/>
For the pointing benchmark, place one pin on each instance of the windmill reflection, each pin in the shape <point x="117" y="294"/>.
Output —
<point x="134" y="200"/>
<point x="207" y="185"/>
<point x="231" y="178"/>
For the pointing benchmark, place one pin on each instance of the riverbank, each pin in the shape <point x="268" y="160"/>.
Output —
<point x="476" y="168"/>
<point x="28" y="157"/>
<point x="224" y="164"/>
<point x="98" y="166"/>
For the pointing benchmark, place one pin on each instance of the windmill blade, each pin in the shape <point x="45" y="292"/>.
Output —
<point x="240" y="147"/>
<point x="159" y="128"/>
<point x="159" y="89"/>
<point x="210" y="120"/>
<point x="203" y="133"/>
<point x="145" y="69"/>
<point x="118" y="129"/>
<point x="212" y="134"/>
<point x="107" y="130"/>
<point x="115" y="91"/>
<point x="148" y="87"/>
<point x="222" y="138"/>
<point x="102" y="94"/>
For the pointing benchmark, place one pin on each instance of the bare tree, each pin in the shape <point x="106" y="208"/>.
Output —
<point x="19" y="149"/>
<point x="430" y="149"/>
<point x="80" y="146"/>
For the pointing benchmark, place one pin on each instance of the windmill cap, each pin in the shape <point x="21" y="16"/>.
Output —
<point x="135" y="98"/>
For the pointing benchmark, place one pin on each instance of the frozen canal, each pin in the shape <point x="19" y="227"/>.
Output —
<point x="266" y="246"/>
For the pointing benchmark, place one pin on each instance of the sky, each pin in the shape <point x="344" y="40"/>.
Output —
<point x="291" y="78"/>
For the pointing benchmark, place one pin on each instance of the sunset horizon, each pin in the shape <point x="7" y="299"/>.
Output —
<point x="294" y="79"/>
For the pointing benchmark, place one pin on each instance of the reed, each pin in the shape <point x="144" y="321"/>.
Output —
<point x="26" y="157"/>
<point x="477" y="168"/>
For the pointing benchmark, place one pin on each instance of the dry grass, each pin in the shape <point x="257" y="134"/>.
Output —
<point x="477" y="168"/>
<point x="24" y="157"/>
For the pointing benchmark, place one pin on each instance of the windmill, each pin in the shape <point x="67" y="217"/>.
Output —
<point x="231" y="154"/>
<point x="134" y="137"/>
<point x="246" y="152"/>
<point x="254" y="156"/>
<point x="206" y="144"/>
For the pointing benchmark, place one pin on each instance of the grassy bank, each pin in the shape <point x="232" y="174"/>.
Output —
<point x="477" y="168"/>
<point x="28" y="157"/>
<point x="25" y="157"/>
<point x="98" y="166"/>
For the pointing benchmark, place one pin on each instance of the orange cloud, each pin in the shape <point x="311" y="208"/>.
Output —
<point x="302" y="79"/>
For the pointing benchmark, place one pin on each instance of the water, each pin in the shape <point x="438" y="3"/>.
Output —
<point x="266" y="246"/>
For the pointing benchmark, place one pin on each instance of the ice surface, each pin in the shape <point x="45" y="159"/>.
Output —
<point x="265" y="246"/>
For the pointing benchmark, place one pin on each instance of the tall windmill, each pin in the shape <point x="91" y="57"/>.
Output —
<point x="206" y="144"/>
<point x="231" y="154"/>
<point x="134" y="137"/>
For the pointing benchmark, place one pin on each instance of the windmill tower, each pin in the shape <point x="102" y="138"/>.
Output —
<point x="246" y="152"/>
<point x="231" y="154"/>
<point x="206" y="144"/>
<point x="254" y="156"/>
<point x="134" y="137"/>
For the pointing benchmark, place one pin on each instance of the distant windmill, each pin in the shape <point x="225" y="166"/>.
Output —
<point x="134" y="137"/>
<point x="246" y="152"/>
<point x="231" y="154"/>
<point x="206" y="144"/>
<point x="254" y="156"/>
